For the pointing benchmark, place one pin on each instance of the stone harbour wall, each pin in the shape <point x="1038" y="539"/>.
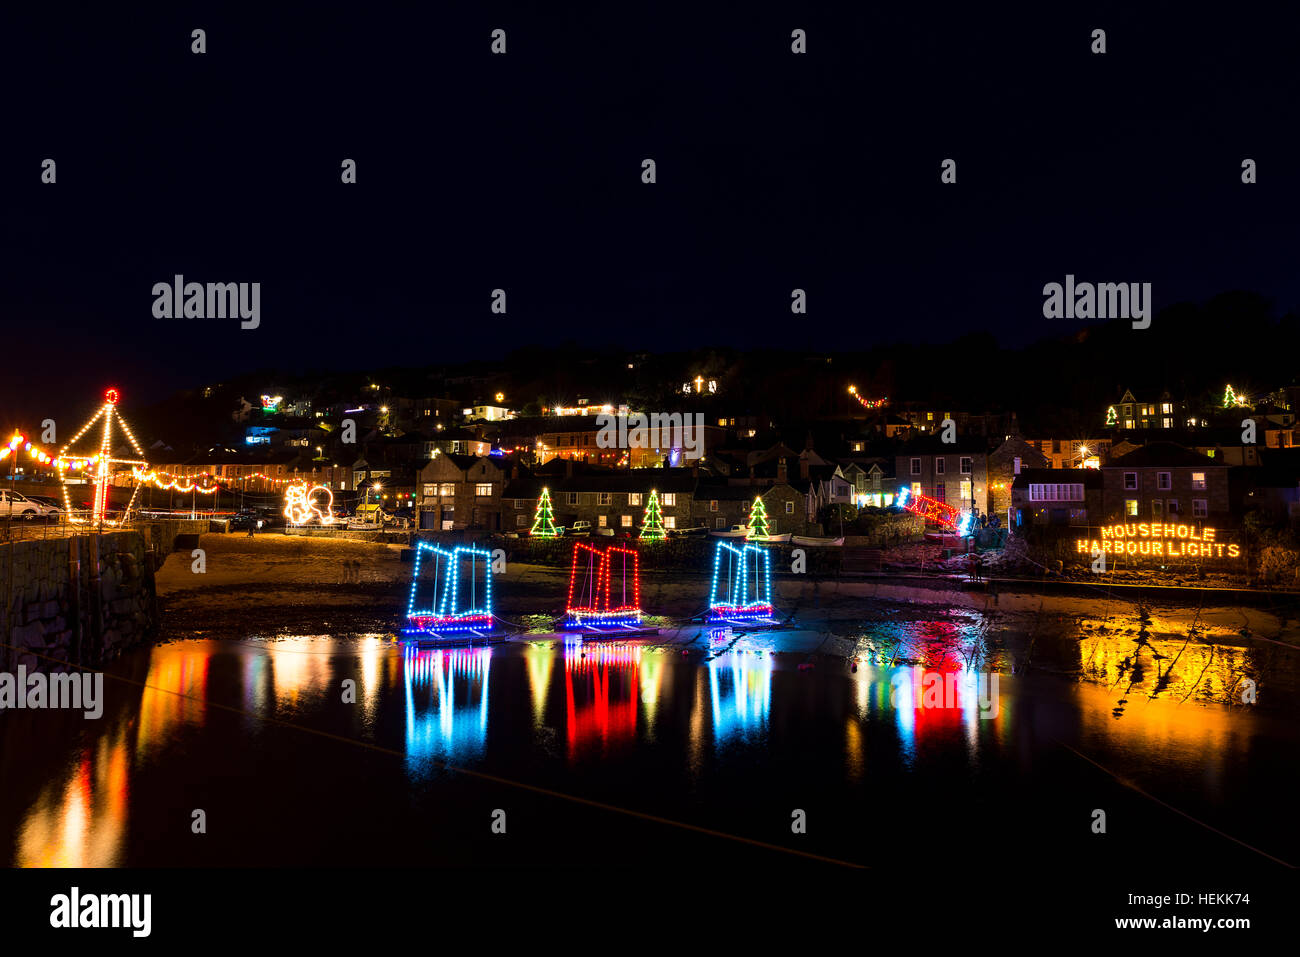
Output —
<point x="82" y="599"/>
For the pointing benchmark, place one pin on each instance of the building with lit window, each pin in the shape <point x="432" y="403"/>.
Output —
<point x="1161" y="481"/>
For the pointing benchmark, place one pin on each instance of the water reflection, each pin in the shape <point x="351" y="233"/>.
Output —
<point x="446" y="704"/>
<point x="600" y="695"/>
<point x="942" y="707"/>
<point x="644" y="723"/>
<point x="740" y="692"/>
<point x="81" y="821"/>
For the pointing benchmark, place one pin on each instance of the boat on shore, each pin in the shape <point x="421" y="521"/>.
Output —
<point x="736" y="531"/>
<point x="772" y="538"/>
<point x="816" y="542"/>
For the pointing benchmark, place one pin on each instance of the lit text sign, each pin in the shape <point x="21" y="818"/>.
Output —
<point x="1159" y="540"/>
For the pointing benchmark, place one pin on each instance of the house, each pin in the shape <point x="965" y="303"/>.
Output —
<point x="459" y="441"/>
<point x="930" y="422"/>
<point x="1073" y="453"/>
<point x="1051" y="496"/>
<point x="872" y="480"/>
<point x="1272" y="488"/>
<point x="617" y="499"/>
<point x="1163" y="480"/>
<point x="250" y="472"/>
<point x="952" y="472"/>
<point x="607" y="498"/>
<point x="718" y="506"/>
<point x="1130" y="414"/>
<point x="578" y="438"/>
<point x="460" y="491"/>
<point x="1014" y="456"/>
<point x="827" y="485"/>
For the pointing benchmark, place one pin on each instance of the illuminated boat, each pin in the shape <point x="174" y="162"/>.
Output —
<point x="605" y="591"/>
<point x="459" y="608"/>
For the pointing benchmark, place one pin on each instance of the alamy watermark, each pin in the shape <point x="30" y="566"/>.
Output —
<point x="77" y="692"/>
<point x="658" y="430"/>
<point x="1103" y="300"/>
<point x="179" y="299"/>
<point x="914" y="688"/>
<point x="126" y="911"/>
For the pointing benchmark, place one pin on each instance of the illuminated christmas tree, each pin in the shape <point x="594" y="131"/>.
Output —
<point x="758" y="520"/>
<point x="544" y="519"/>
<point x="652" y="526"/>
<point x="1111" y="417"/>
<point x="1229" y="398"/>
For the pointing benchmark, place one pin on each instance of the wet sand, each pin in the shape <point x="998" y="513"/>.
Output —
<point x="275" y="584"/>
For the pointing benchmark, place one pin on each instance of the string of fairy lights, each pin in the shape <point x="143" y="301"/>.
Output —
<point x="866" y="403"/>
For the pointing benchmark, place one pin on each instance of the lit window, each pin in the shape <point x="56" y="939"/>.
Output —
<point x="1198" y="480"/>
<point x="626" y="521"/>
<point x="670" y="499"/>
<point x="1131" y="507"/>
<point x="670" y="521"/>
<point x="789" y="508"/>
<point x="602" y="520"/>
<point x="713" y="505"/>
<point x="483" y="490"/>
<point x="634" y="498"/>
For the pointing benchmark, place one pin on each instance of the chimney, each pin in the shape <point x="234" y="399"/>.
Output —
<point x="781" y="469"/>
<point x="568" y="468"/>
<point x="803" y="467"/>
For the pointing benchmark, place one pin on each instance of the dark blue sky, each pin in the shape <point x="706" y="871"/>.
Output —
<point x="476" y="171"/>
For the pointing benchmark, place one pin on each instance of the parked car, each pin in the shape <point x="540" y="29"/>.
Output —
<point x="17" y="505"/>
<point x="244" y="519"/>
<point x="580" y="528"/>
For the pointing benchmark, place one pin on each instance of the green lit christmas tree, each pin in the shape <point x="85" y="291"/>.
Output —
<point x="652" y="526"/>
<point x="544" y="520"/>
<point x="758" y="520"/>
<point x="1229" y="398"/>
<point x="1111" y="417"/>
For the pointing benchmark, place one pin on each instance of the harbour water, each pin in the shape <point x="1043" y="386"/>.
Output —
<point x="357" y="749"/>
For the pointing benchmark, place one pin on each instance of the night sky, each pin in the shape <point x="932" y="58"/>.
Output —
<point x="523" y="171"/>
